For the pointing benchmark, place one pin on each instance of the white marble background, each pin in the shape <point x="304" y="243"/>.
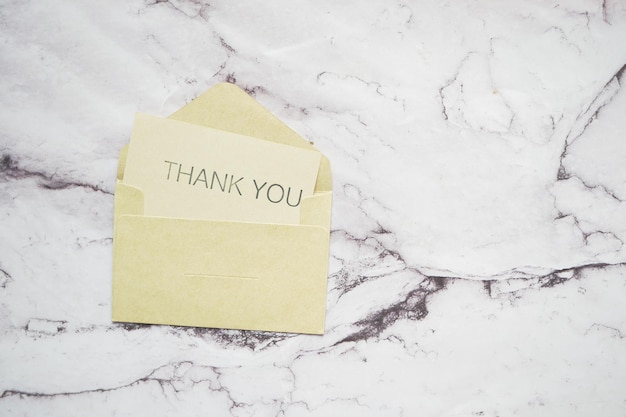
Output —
<point x="478" y="265"/>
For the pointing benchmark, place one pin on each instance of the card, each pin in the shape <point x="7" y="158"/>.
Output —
<point x="190" y="171"/>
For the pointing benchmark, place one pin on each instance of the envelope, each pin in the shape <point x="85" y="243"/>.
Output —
<point x="219" y="274"/>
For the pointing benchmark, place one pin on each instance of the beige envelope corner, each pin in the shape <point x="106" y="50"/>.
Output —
<point x="223" y="274"/>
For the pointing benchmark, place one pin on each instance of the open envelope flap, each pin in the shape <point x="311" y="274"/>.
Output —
<point x="315" y="210"/>
<point x="228" y="107"/>
<point x="220" y="274"/>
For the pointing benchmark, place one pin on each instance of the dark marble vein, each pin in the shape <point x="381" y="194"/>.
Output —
<point x="10" y="170"/>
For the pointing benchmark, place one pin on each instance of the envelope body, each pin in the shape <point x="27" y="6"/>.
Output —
<point x="235" y="275"/>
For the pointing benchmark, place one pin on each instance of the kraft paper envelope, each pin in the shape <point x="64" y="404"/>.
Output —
<point x="236" y="275"/>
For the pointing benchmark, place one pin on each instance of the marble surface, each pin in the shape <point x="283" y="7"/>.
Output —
<point x="477" y="261"/>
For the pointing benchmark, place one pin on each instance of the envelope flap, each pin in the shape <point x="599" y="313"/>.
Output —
<point x="128" y="200"/>
<point x="315" y="210"/>
<point x="227" y="107"/>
